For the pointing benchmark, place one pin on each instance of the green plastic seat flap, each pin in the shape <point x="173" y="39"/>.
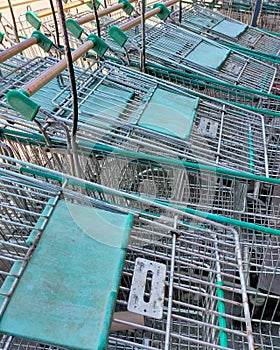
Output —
<point x="107" y="102"/>
<point x="229" y="28"/>
<point x="198" y="21"/>
<point x="208" y="55"/>
<point x="67" y="292"/>
<point x="170" y="114"/>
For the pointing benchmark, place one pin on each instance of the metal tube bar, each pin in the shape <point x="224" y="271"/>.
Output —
<point x="36" y="84"/>
<point x="16" y="49"/>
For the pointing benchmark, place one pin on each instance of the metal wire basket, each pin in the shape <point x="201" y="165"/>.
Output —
<point x="218" y="27"/>
<point x="194" y="292"/>
<point x="115" y="104"/>
<point x="175" y="47"/>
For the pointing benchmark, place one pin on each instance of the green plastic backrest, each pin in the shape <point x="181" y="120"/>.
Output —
<point x="164" y="12"/>
<point x="20" y="101"/>
<point x="170" y="114"/>
<point x="97" y="4"/>
<point x="74" y="28"/>
<point x="100" y="47"/>
<point x="118" y="35"/>
<point x="33" y="19"/>
<point x="66" y="294"/>
<point x="44" y="42"/>
<point x="1" y="37"/>
<point x="128" y="8"/>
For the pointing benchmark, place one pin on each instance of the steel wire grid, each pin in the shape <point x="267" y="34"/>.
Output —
<point x="7" y="29"/>
<point x="175" y="47"/>
<point x="266" y="104"/>
<point x="179" y="183"/>
<point x="210" y="23"/>
<point x="175" y="182"/>
<point x="112" y="101"/>
<point x="8" y="69"/>
<point x="243" y="11"/>
<point x="205" y="296"/>
<point x="261" y="260"/>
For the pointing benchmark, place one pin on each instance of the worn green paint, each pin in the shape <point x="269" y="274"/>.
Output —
<point x="229" y="28"/>
<point x="67" y="292"/>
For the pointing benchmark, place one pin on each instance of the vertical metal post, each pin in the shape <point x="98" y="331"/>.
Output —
<point x="96" y="18"/>
<point x="55" y="23"/>
<point x="143" y="51"/>
<point x="180" y="11"/>
<point x="170" y="290"/>
<point x="256" y="13"/>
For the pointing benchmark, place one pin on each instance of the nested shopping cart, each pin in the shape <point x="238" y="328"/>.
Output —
<point x="175" y="47"/>
<point x="122" y="160"/>
<point x="228" y="193"/>
<point x="172" y="280"/>
<point x="228" y="31"/>
<point x="121" y="107"/>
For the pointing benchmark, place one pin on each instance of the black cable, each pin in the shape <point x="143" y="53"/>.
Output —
<point x="143" y="51"/>
<point x="180" y="11"/>
<point x="57" y="41"/>
<point x="70" y="67"/>
<point x="96" y="18"/>
<point x="14" y="20"/>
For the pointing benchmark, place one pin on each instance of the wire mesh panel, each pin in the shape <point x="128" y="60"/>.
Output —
<point x="116" y="105"/>
<point x="261" y="261"/>
<point x="216" y="26"/>
<point x="202" y="188"/>
<point x="193" y="294"/>
<point x="175" y="47"/>
<point x="7" y="32"/>
<point x="243" y="11"/>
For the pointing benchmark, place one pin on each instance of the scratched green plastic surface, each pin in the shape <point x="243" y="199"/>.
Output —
<point x="170" y="114"/>
<point x="67" y="293"/>
<point x="106" y="102"/>
<point x="229" y="28"/>
<point x="208" y="55"/>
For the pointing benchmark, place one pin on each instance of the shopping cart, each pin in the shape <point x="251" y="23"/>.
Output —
<point x="115" y="105"/>
<point x="175" y="47"/>
<point x="235" y="34"/>
<point x="241" y="10"/>
<point x="177" y="279"/>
